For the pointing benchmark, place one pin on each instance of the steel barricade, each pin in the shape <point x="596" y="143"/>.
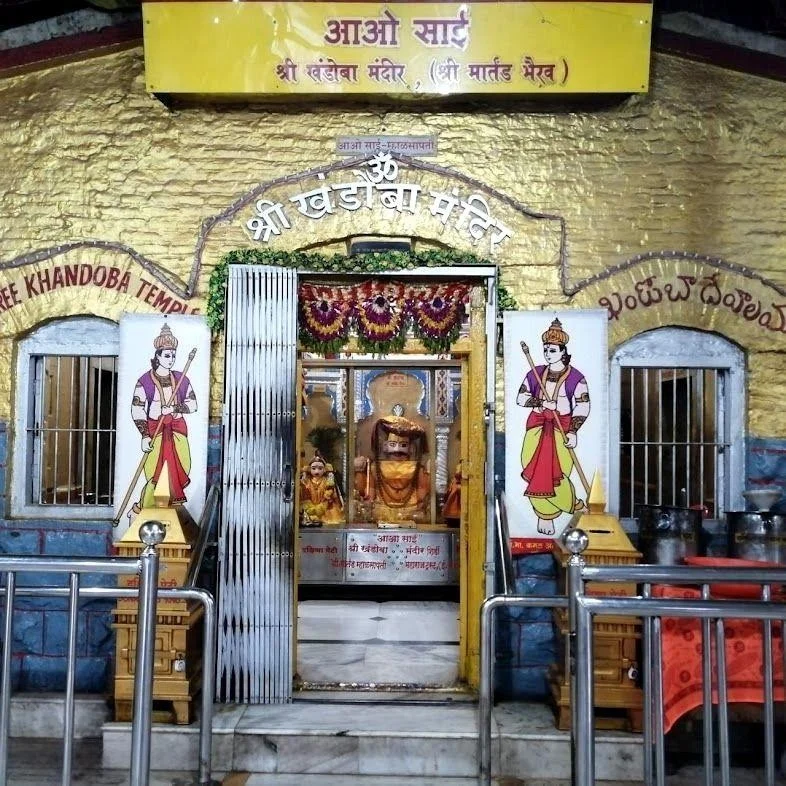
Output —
<point x="714" y="677"/>
<point x="487" y="653"/>
<point x="582" y="608"/>
<point x="147" y="592"/>
<point x="487" y="628"/>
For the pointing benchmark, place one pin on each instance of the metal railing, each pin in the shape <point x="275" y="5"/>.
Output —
<point x="712" y="614"/>
<point x="148" y="594"/>
<point x="581" y="611"/>
<point x="205" y="526"/>
<point x="487" y="653"/>
<point x="503" y="543"/>
<point x="152" y="533"/>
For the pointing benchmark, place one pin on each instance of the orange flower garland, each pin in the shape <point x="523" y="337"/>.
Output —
<point x="381" y="312"/>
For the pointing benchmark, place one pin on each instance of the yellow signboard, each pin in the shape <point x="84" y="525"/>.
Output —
<point x="411" y="48"/>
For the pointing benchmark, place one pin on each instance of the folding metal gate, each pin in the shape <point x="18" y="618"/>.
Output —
<point x="256" y="567"/>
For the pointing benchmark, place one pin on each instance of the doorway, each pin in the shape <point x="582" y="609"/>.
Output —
<point x="379" y="523"/>
<point x="354" y="539"/>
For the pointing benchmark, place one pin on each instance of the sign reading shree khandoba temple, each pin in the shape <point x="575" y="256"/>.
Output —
<point x="409" y="48"/>
<point x="46" y="279"/>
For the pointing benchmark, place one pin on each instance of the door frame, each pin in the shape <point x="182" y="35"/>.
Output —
<point x="477" y="354"/>
<point x="477" y="547"/>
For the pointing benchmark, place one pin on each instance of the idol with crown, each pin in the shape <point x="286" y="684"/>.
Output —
<point x="320" y="497"/>
<point x="395" y="479"/>
<point x="557" y="395"/>
<point x="162" y="398"/>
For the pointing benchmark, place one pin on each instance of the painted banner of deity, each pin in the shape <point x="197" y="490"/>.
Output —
<point x="162" y="406"/>
<point x="556" y="419"/>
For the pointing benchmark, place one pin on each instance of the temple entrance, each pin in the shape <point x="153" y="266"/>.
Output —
<point x="379" y="522"/>
<point x="355" y="528"/>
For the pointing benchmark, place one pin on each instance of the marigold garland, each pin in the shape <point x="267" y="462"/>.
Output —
<point x="437" y="313"/>
<point x="324" y="317"/>
<point x="327" y="315"/>
<point x="380" y="313"/>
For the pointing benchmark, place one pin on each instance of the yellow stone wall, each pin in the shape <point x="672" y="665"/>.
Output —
<point x="698" y="166"/>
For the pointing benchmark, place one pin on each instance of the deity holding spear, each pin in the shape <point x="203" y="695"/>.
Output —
<point x="162" y="397"/>
<point x="558" y="396"/>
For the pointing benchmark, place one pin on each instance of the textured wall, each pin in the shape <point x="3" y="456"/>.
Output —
<point x="697" y="166"/>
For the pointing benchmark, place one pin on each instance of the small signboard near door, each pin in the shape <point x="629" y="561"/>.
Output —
<point x="162" y="412"/>
<point x="556" y="419"/>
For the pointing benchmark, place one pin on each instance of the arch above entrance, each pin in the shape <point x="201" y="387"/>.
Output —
<point x="391" y="195"/>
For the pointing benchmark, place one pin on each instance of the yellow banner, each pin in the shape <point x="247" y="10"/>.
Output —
<point x="420" y="48"/>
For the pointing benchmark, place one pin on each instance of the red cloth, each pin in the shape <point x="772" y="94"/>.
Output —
<point x="682" y="651"/>
<point x="544" y="472"/>
<point x="178" y="477"/>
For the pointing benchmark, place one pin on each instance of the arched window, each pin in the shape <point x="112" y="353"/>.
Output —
<point x="64" y="435"/>
<point x="677" y="404"/>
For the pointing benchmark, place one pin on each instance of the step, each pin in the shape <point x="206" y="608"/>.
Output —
<point x="40" y="715"/>
<point x="378" y="739"/>
<point x="38" y="762"/>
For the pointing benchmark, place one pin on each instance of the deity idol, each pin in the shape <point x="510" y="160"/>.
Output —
<point x="395" y="480"/>
<point x="451" y="508"/>
<point x="320" y="498"/>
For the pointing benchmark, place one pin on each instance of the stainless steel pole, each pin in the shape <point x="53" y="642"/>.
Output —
<point x="208" y="689"/>
<point x="68" y="710"/>
<point x="648" y="693"/>
<point x="151" y="534"/>
<point x="584" y="712"/>
<point x="706" y="692"/>
<point x="723" y="707"/>
<point x="769" y="697"/>
<point x="486" y="689"/>
<point x="5" y="675"/>
<point x="576" y="542"/>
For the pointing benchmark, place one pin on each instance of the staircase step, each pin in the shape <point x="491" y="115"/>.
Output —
<point x="391" y="739"/>
<point x="40" y="715"/>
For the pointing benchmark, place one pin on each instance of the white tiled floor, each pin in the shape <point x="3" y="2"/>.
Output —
<point x="378" y="643"/>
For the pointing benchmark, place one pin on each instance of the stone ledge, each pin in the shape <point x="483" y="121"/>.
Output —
<point x="40" y="715"/>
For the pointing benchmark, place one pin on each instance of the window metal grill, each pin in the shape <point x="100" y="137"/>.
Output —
<point x="71" y="429"/>
<point x="674" y="438"/>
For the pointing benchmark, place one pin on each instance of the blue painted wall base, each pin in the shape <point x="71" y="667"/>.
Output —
<point x="41" y="624"/>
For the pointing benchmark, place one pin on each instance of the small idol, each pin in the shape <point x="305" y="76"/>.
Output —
<point x="320" y="497"/>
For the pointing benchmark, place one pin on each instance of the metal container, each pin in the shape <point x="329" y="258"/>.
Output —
<point x="757" y="536"/>
<point x="668" y="534"/>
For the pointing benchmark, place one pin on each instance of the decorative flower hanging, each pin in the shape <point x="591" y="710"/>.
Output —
<point x="437" y="313"/>
<point x="324" y="317"/>
<point x="380" y="316"/>
<point x="311" y="330"/>
<point x="380" y="313"/>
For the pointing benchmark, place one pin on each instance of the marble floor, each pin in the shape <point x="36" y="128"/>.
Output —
<point x="364" y="643"/>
